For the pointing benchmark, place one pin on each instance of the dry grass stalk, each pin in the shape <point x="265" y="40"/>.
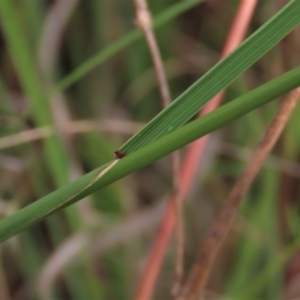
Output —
<point x="70" y="127"/>
<point x="198" y="276"/>
<point x="189" y="165"/>
<point x="144" y="21"/>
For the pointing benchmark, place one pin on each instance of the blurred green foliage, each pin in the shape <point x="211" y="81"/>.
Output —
<point x="268" y="223"/>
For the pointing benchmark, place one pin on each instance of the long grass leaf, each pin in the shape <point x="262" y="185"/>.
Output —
<point x="146" y="155"/>
<point x="215" y="80"/>
<point x="33" y="87"/>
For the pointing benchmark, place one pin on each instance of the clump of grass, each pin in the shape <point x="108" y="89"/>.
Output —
<point x="91" y="68"/>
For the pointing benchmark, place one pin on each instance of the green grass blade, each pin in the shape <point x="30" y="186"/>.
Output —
<point x="139" y="159"/>
<point x="271" y="270"/>
<point x="122" y="43"/>
<point x="261" y="215"/>
<point x="32" y="85"/>
<point x="219" y="77"/>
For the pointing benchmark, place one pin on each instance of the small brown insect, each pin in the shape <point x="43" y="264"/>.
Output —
<point x="119" y="155"/>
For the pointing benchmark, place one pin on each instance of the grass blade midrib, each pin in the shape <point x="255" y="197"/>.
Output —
<point x="220" y="76"/>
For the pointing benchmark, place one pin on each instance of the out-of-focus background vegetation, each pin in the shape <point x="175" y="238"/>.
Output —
<point x="96" y="249"/>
